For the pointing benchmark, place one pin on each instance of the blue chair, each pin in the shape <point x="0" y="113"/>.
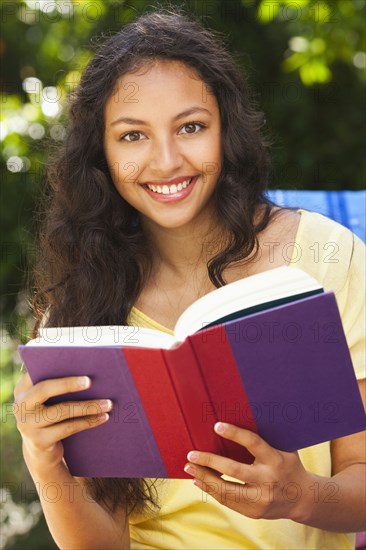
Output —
<point x="345" y="207"/>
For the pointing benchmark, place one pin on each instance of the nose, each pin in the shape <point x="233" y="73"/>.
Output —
<point x="166" y="157"/>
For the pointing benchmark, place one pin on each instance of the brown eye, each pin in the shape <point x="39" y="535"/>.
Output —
<point x="192" y="128"/>
<point x="132" y="136"/>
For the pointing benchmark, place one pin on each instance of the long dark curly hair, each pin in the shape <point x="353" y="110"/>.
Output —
<point x="94" y="258"/>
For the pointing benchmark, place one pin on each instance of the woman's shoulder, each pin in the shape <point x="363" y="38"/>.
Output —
<point x="305" y="225"/>
<point x="328" y="251"/>
<point x="313" y="223"/>
<point x="326" y="241"/>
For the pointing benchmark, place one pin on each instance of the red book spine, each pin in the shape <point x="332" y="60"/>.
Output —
<point x="191" y="391"/>
<point x="227" y="399"/>
<point x="153" y="383"/>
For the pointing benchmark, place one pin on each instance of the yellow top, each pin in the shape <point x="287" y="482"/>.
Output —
<point x="189" y="518"/>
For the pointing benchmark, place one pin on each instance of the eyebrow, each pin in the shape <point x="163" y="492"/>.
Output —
<point x="183" y="114"/>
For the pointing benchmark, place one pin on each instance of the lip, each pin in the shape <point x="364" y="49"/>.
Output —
<point x="174" y="197"/>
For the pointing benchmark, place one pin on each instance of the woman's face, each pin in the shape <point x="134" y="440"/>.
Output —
<point x="163" y="143"/>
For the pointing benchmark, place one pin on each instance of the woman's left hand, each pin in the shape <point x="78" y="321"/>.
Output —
<point x="275" y="486"/>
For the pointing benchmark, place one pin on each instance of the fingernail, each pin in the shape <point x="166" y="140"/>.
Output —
<point x="189" y="469"/>
<point x="193" y="455"/>
<point x="83" y="381"/>
<point x="219" y="427"/>
<point x="106" y="404"/>
<point x="103" y="417"/>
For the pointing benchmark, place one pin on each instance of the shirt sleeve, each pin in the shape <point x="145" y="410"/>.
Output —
<point x="353" y="311"/>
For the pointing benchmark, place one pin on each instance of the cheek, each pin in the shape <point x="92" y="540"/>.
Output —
<point x="205" y="156"/>
<point x="213" y="148"/>
<point x="212" y="159"/>
<point x="123" y="162"/>
<point x="123" y="171"/>
<point x="129" y="171"/>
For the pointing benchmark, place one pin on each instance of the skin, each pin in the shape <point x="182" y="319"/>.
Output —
<point x="273" y="470"/>
<point x="161" y="148"/>
<point x="166" y="147"/>
<point x="71" y="515"/>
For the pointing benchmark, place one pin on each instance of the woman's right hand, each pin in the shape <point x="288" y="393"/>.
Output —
<point x="42" y="427"/>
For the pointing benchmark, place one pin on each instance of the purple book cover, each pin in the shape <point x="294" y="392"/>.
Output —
<point x="286" y="373"/>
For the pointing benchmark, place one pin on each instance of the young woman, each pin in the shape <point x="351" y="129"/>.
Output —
<point x="158" y="198"/>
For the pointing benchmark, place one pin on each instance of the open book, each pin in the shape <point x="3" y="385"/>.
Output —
<point x="239" y="299"/>
<point x="267" y="353"/>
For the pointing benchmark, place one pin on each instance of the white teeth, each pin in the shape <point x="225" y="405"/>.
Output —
<point x="169" y="189"/>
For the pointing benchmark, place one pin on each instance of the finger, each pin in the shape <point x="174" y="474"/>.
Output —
<point x="73" y="409"/>
<point x="252" y="441"/>
<point x="232" y="468"/>
<point x="226" y="492"/>
<point x="244" y="498"/>
<point x="42" y="391"/>
<point x="62" y="430"/>
<point x="23" y="384"/>
<point x="203" y="474"/>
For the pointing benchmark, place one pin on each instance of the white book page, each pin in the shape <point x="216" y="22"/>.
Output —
<point x="126" y="336"/>
<point x="254" y="290"/>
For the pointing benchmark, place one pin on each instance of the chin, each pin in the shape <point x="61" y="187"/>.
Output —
<point x="173" y="222"/>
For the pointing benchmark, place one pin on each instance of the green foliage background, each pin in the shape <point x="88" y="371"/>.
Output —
<point x="306" y="62"/>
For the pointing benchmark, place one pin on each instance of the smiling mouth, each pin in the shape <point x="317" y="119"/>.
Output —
<point x="170" y="189"/>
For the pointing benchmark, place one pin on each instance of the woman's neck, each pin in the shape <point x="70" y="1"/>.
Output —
<point x="178" y="252"/>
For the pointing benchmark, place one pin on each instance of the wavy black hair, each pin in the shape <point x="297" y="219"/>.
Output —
<point x="94" y="257"/>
